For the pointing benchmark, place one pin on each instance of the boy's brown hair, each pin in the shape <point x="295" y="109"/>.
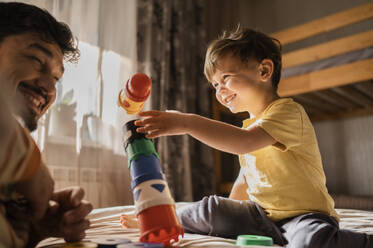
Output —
<point x="245" y="44"/>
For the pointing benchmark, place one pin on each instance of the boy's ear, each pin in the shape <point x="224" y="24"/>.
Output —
<point x="266" y="68"/>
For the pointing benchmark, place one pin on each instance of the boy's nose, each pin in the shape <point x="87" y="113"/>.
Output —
<point x="222" y="90"/>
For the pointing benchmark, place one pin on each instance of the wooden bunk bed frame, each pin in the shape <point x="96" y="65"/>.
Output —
<point x="337" y="92"/>
<point x="340" y="91"/>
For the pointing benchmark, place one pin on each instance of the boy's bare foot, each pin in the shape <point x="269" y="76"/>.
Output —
<point x="129" y="221"/>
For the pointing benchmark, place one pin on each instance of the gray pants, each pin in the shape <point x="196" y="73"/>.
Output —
<point x="228" y="218"/>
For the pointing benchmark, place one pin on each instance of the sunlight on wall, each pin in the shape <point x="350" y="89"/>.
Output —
<point x="82" y="78"/>
<point x="87" y="95"/>
<point x="81" y="134"/>
<point x="110" y="74"/>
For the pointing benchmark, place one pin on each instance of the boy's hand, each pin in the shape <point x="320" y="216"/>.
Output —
<point x="159" y="123"/>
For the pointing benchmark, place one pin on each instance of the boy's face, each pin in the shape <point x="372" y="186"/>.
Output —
<point x="238" y="86"/>
<point x="30" y="69"/>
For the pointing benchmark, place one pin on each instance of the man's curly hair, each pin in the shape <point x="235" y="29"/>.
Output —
<point x="17" y="18"/>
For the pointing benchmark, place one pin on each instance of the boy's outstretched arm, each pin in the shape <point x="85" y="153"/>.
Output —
<point x="219" y="135"/>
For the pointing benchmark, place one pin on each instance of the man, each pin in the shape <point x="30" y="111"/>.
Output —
<point x="33" y="46"/>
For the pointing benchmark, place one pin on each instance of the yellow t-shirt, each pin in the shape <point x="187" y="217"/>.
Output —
<point x="287" y="178"/>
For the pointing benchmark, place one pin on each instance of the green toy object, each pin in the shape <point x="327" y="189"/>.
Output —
<point x="254" y="240"/>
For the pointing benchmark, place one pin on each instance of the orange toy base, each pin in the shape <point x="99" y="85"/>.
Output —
<point x="159" y="224"/>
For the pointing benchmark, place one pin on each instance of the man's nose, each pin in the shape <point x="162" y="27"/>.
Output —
<point x="47" y="84"/>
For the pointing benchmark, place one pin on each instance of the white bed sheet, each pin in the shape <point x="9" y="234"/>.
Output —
<point x="105" y="224"/>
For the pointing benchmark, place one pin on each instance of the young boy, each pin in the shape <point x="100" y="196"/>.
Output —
<point x="280" y="191"/>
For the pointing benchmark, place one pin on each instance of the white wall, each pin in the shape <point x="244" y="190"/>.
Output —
<point x="347" y="150"/>
<point x="346" y="145"/>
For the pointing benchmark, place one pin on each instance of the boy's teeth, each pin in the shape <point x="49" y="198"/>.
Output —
<point x="229" y="98"/>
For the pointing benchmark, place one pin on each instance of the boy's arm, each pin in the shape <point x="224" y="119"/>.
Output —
<point x="239" y="188"/>
<point x="219" y="135"/>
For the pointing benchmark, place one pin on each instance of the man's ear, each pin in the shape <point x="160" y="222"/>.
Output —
<point x="266" y="68"/>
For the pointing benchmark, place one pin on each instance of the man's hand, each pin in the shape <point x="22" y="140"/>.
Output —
<point x="74" y="213"/>
<point x="65" y="217"/>
<point x="37" y="191"/>
<point x="159" y="123"/>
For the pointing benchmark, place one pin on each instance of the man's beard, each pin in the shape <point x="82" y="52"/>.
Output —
<point x="29" y="119"/>
<point x="27" y="115"/>
<point x="31" y="123"/>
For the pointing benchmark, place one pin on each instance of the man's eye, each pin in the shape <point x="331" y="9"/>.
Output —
<point x="215" y="85"/>
<point x="37" y="60"/>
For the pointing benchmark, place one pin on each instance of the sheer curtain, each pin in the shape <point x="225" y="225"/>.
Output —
<point x="80" y="136"/>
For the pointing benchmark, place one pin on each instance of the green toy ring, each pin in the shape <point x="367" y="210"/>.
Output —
<point x="254" y="240"/>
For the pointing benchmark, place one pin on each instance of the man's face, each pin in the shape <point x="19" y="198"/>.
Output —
<point x="30" y="68"/>
<point x="237" y="85"/>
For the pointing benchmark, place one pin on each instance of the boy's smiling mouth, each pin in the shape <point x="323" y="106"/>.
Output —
<point x="229" y="99"/>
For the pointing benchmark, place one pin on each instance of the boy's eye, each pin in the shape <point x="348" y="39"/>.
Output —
<point x="215" y="85"/>
<point x="225" y="77"/>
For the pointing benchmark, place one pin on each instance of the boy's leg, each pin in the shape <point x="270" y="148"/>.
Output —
<point x="320" y="230"/>
<point x="228" y="218"/>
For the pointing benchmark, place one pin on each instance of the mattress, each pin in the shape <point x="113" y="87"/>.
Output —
<point x="328" y="62"/>
<point x="105" y="224"/>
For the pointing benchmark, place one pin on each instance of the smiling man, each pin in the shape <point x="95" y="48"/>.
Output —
<point x="33" y="67"/>
<point x="33" y="46"/>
